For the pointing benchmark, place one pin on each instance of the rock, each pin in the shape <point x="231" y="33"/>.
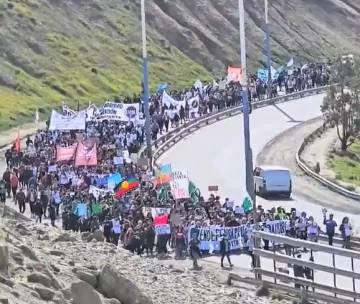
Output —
<point x="56" y="252"/>
<point x="21" y="226"/>
<point x="114" y="285"/>
<point x="91" y="267"/>
<point x="17" y="257"/>
<point x="40" y="278"/>
<point x="85" y="235"/>
<point x="28" y="252"/>
<point x="59" y="301"/>
<point x="71" y="263"/>
<point x="87" y="277"/>
<point x="262" y="290"/>
<point x="65" y="237"/>
<point x="4" y="255"/>
<point x="45" y="293"/>
<point x="9" y="283"/>
<point x="24" y="232"/>
<point x="43" y="237"/>
<point x="40" y="231"/>
<point x="35" y="294"/>
<point x="15" y="294"/>
<point x="66" y="293"/>
<point x="112" y="301"/>
<point x="4" y="300"/>
<point x="97" y="235"/>
<point x="55" y="268"/>
<point x="83" y="293"/>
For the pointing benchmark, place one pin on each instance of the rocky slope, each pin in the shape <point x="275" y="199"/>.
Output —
<point x="79" y="50"/>
<point x="39" y="264"/>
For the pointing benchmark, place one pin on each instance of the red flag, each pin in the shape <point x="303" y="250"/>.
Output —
<point x="17" y="142"/>
<point x="161" y="220"/>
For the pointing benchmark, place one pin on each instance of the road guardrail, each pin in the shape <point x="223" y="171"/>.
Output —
<point x="163" y="144"/>
<point x="330" y="185"/>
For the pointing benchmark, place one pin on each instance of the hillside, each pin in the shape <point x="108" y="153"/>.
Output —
<point x="41" y="264"/>
<point x="53" y="50"/>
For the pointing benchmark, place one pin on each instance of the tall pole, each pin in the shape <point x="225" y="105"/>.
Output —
<point x="268" y="53"/>
<point x="248" y="151"/>
<point x="146" y="86"/>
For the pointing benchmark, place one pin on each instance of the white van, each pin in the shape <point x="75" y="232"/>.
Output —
<point x="269" y="180"/>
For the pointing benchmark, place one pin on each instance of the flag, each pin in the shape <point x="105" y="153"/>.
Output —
<point x="37" y="116"/>
<point x="161" y="220"/>
<point x="17" y="142"/>
<point x="164" y="174"/>
<point x="126" y="186"/>
<point x="290" y="63"/>
<point x="247" y="204"/>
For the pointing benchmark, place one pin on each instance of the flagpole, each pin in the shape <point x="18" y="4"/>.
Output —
<point x="146" y="85"/>
<point x="268" y="52"/>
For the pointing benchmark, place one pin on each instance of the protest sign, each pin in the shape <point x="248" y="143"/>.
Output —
<point x="155" y="211"/>
<point x="66" y="123"/>
<point x="98" y="192"/>
<point x="179" y="174"/>
<point x="119" y="111"/>
<point x="210" y="237"/>
<point x="113" y="181"/>
<point x="162" y="229"/>
<point x="180" y="188"/>
<point x="86" y="155"/>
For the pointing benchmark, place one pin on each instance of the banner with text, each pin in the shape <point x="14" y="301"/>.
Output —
<point x="119" y="111"/>
<point x="238" y="236"/>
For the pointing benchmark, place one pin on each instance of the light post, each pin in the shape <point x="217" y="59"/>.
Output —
<point x="146" y="86"/>
<point x="248" y="152"/>
<point x="268" y="53"/>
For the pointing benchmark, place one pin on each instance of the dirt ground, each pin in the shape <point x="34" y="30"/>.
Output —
<point x="317" y="152"/>
<point x="8" y="137"/>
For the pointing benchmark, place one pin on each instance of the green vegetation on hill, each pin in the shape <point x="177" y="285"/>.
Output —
<point x="80" y="50"/>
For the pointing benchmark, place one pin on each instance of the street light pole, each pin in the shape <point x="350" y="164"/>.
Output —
<point x="146" y="86"/>
<point x="268" y="53"/>
<point x="248" y="151"/>
<point x="246" y="107"/>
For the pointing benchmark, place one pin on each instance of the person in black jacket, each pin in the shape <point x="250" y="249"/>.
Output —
<point x="225" y="250"/>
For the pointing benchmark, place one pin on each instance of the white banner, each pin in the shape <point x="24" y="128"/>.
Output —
<point x="180" y="188"/>
<point x="97" y="191"/>
<point x="67" y="123"/>
<point x="155" y="211"/>
<point x="194" y="104"/>
<point x="239" y="236"/>
<point x="179" y="174"/>
<point x="119" y="111"/>
<point x="168" y="100"/>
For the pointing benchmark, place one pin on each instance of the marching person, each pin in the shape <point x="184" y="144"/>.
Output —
<point x="195" y="251"/>
<point x="225" y="250"/>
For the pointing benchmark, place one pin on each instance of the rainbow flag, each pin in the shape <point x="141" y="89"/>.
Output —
<point x="164" y="174"/>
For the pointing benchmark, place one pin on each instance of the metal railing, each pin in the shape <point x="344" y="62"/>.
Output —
<point x="332" y="186"/>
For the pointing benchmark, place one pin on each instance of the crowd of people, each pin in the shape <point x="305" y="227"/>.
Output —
<point x="93" y="179"/>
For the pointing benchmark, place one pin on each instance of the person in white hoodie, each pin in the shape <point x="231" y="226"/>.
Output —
<point x="116" y="230"/>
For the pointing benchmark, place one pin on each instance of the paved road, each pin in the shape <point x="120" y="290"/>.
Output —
<point x="215" y="156"/>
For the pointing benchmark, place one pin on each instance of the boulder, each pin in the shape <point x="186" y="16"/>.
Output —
<point x="83" y="293"/>
<point x="59" y="301"/>
<point x="65" y="237"/>
<point x="29" y="253"/>
<point x="40" y="278"/>
<point x="86" y="277"/>
<point x="97" y="236"/>
<point x="45" y="293"/>
<point x="17" y="257"/>
<point x="112" y="301"/>
<point x="4" y="300"/>
<point x="85" y="235"/>
<point x="114" y="285"/>
<point x="56" y="252"/>
<point x="66" y="293"/>
<point x="4" y="255"/>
